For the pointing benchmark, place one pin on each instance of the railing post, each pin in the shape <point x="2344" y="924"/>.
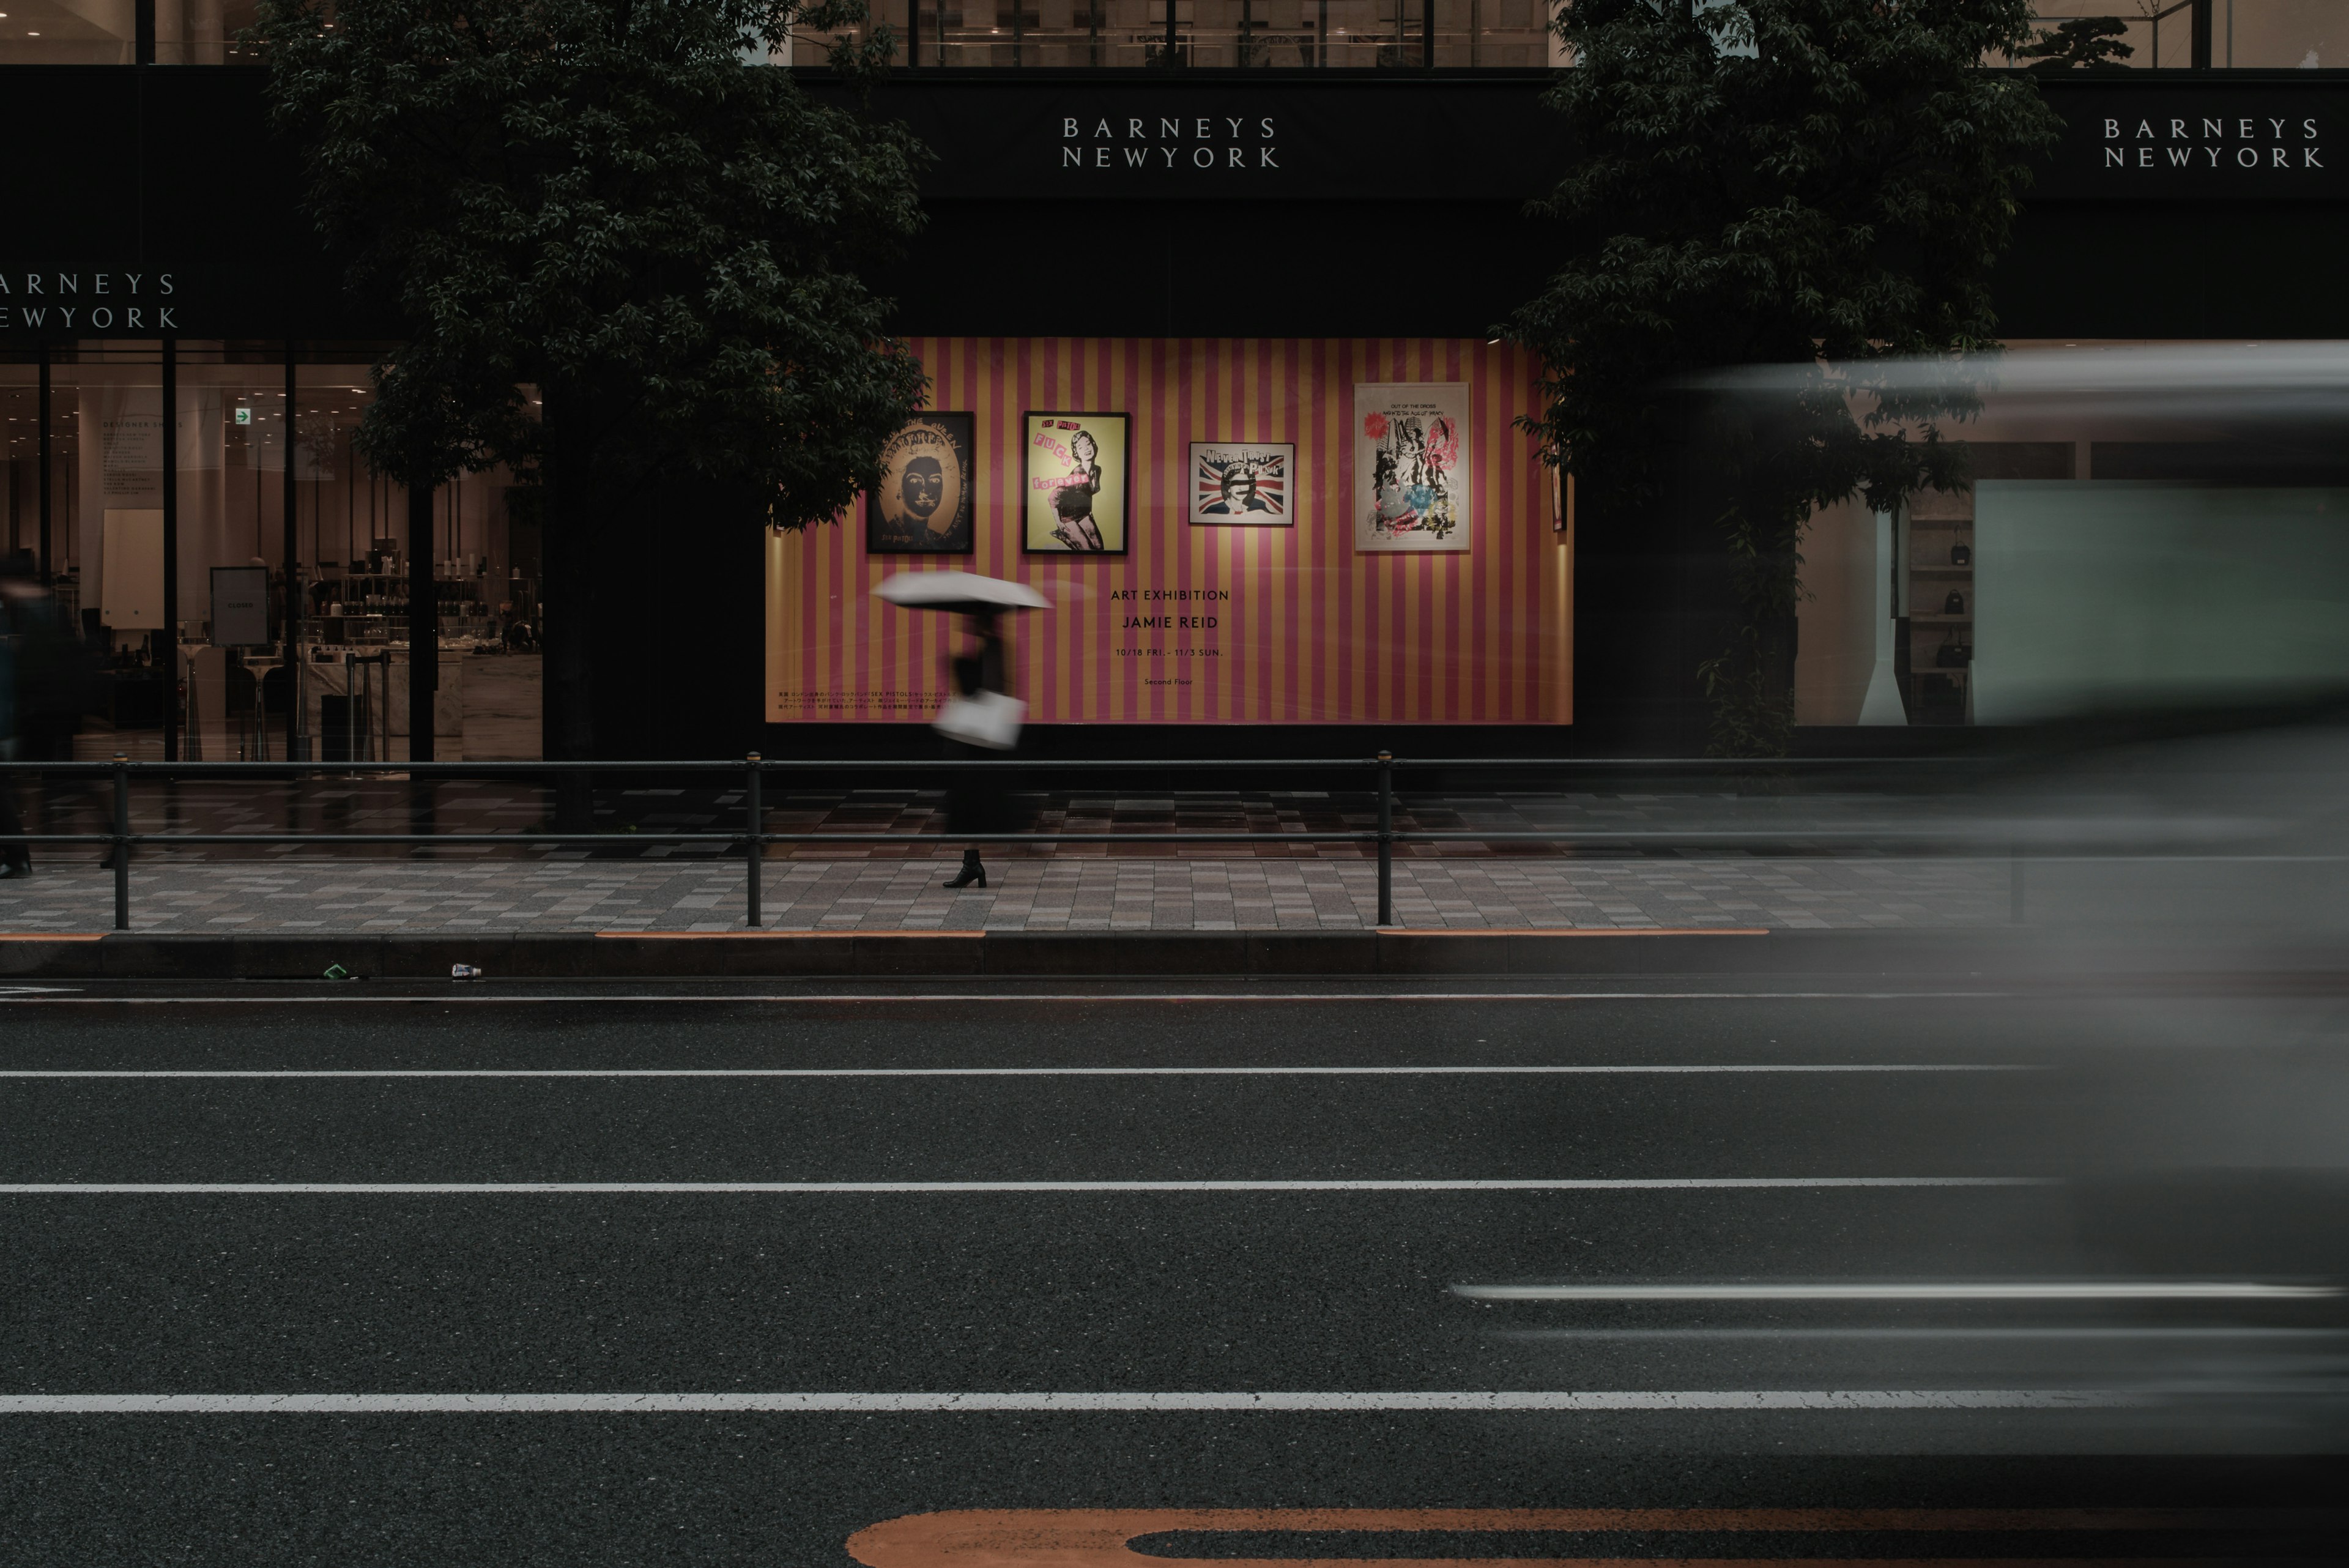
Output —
<point x="1386" y="838"/>
<point x="121" y="842"/>
<point x="756" y="820"/>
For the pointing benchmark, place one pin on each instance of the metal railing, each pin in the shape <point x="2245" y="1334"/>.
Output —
<point x="753" y="837"/>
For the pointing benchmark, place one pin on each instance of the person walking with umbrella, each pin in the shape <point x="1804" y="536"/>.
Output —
<point x="980" y="715"/>
<point x="40" y="693"/>
<point x="974" y="799"/>
<point x="15" y="855"/>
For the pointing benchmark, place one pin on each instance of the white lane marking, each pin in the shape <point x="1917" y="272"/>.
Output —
<point x="1937" y="1334"/>
<point x="1537" y="1184"/>
<point x="2051" y="1291"/>
<point x="917" y="1403"/>
<point x="1632" y="1068"/>
<point x="441" y="999"/>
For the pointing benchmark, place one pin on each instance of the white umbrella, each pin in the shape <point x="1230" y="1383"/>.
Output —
<point x="964" y="591"/>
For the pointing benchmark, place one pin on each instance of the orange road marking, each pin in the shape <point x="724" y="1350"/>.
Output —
<point x="1101" y="1538"/>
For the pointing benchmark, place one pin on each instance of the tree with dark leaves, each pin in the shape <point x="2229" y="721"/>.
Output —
<point x="2081" y="44"/>
<point x="1816" y="184"/>
<point x="628" y="255"/>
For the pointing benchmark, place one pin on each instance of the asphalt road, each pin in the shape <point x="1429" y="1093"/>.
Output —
<point x="680" y="1275"/>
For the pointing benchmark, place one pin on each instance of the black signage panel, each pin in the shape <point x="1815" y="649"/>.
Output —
<point x="2167" y="136"/>
<point x="173" y="207"/>
<point x="168" y="208"/>
<point x="97" y="297"/>
<point x="1170" y="137"/>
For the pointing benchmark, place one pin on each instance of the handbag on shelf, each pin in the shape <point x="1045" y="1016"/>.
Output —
<point x="1953" y="654"/>
<point x="988" y="719"/>
<point x="1962" y="555"/>
<point x="1955" y="604"/>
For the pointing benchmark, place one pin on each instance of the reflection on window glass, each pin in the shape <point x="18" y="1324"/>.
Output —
<point x="2128" y="35"/>
<point x="351" y="524"/>
<point x="2159" y="35"/>
<point x="1221" y="33"/>
<point x="204" y="32"/>
<point x="2309" y="34"/>
<point x="68" y="32"/>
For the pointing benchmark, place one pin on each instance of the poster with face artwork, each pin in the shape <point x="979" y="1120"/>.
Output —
<point x="924" y="504"/>
<point x="1410" y="466"/>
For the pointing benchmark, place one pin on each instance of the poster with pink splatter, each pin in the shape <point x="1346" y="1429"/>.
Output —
<point x="1410" y="466"/>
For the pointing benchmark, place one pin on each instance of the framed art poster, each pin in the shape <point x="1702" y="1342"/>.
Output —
<point x="1411" y="468"/>
<point x="1243" y="484"/>
<point x="926" y="498"/>
<point x="1074" y="483"/>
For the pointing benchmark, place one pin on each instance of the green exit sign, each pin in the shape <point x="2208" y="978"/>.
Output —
<point x="245" y="416"/>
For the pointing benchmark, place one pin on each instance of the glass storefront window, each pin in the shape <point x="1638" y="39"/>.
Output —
<point x="110" y="32"/>
<point x="2149" y="525"/>
<point x="1215" y="34"/>
<point x="68" y="32"/>
<point x="351" y="524"/>
<point x="2245" y="34"/>
<point x="2305" y="35"/>
<point x="229" y="443"/>
<point x="1363" y="35"/>
<point x="204" y="32"/>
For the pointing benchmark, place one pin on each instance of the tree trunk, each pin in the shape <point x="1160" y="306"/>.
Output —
<point x="572" y="532"/>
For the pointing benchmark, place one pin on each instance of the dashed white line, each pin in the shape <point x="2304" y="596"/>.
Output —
<point x="2003" y="1291"/>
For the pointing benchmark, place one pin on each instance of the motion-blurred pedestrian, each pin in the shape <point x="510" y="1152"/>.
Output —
<point x="41" y="678"/>
<point x="979" y="723"/>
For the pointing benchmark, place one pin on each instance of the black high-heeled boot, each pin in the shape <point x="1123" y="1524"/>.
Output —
<point x="972" y="871"/>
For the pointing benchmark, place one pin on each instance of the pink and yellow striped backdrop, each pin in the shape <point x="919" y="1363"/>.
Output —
<point x="1313" y="631"/>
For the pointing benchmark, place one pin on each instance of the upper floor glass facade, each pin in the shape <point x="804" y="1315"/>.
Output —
<point x="2217" y="35"/>
<point x="1360" y="35"/>
<point x="125" y="32"/>
<point x="1339" y="34"/>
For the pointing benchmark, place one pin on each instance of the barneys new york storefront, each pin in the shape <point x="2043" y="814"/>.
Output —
<point x="1241" y="318"/>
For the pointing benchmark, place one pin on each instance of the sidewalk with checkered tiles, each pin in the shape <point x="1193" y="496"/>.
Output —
<point x="1052" y="893"/>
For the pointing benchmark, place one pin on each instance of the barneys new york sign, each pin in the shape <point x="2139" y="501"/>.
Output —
<point x="1184" y="141"/>
<point x="1162" y="142"/>
<point x="87" y="302"/>
<point x="2243" y="142"/>
<point x="2269" y="143"/>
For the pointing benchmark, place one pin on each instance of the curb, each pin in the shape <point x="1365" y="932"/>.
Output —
<point x="761" y="955"/>
<point x="1967" y="959"/>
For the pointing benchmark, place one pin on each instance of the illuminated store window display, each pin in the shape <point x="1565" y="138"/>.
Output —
<point x="1247" y="531"/>
<point x="231" y="440"/>
<point x="126" y="32"/>
<point x="2138" y="532"/>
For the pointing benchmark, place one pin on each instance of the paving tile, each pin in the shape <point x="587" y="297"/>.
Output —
<point x="1222" y="887"/>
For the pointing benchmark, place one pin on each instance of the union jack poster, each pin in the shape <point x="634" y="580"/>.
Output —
<point x="1242" y="483"/>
